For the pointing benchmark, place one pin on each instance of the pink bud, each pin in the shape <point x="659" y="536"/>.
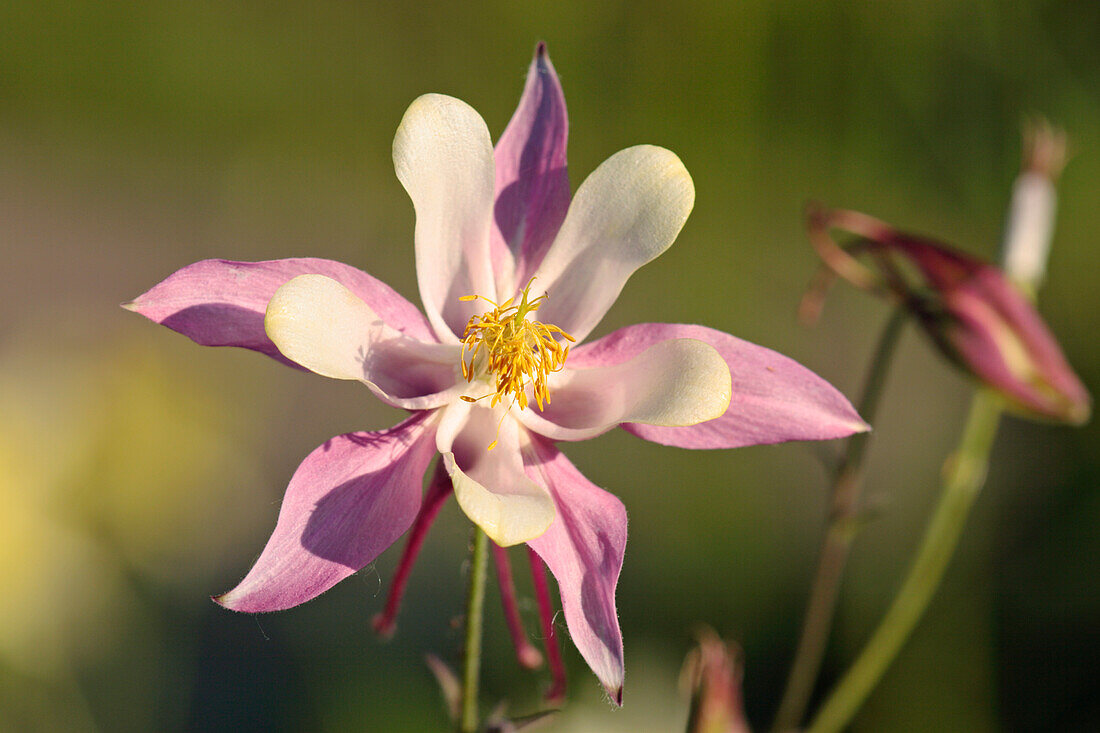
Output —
<point x="977" y="317"/>
<point x="713" y="671"/>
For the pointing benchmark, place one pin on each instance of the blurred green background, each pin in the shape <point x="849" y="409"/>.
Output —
<point x="140" y="473"/>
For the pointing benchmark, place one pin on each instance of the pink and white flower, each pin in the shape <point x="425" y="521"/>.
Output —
<point x="498" y="224"/>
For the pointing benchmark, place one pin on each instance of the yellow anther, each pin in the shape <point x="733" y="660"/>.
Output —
<point x="513" y="349"/>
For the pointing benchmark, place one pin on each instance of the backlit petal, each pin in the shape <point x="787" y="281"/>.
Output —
<point x="444" y="157"/>
<point x="584" y="550"/>
<point x="318" y="323"/>
<point x="222" y="303"/>
<point x="674" y="382"/>
<point x="348" y="501"/>
<point x="775" y="399"/>
<point x="625" y="214"/>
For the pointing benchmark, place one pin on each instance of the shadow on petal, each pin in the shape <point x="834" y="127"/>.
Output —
<point x="224" y="324"/>
<point x="348" y="501"/>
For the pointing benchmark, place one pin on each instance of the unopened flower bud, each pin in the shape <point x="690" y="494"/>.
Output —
<point x="713" y="672"/>
<point x="977" y="317"/>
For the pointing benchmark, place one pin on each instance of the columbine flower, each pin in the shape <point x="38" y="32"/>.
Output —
<point x="977" y="317"/>
<point x="511" y="274"/>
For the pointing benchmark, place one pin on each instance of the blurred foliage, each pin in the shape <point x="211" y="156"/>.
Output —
<point x="140" y="473"/>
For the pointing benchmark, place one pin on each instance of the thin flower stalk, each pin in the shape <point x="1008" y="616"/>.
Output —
<point x="470" y="721"/>
<point x="843" y="525"/>
<point x="1024" y="252"/>
<point x="965" y="473"/>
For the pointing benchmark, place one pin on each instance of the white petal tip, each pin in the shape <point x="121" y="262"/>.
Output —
<point x="318" y="323"/>
<point x="699" y="386"/>
<point x="667" y="165"/>
<point x="517" y="520"/>
<point x="510" y="515"/>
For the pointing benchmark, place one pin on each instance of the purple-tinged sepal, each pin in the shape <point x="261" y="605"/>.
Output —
<point x="584" y="549"/>
<point x="348" y="501"/>
<point x="532" y="185"/>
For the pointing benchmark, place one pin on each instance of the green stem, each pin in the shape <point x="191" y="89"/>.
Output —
<point x="964" y="475"/>
<point x="475" y="603"/>
<point x="835" y="547"/>
<point x="1024" y="251"/>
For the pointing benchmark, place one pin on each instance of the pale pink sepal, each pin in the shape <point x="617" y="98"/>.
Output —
<point x="532" y="184"/>
<point x="584" y="550"/>
<point x="775" y="399"/>
<point x="348" y="501"/>
<point x="222" y="303"/>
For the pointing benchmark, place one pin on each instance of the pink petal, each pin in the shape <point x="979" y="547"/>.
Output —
<point x="532" y="185"/>
<point x="992" y="308"/>
<point x="970" y="309"/>
<point x="443" y="156"/>
<point x="977" y="347"/>
<point x="584" y="550"/>
<point x="775" y="399"/>
<point x="348" y="501"/>
<point x="222" y="303"/>
<point x="999" y="336"/>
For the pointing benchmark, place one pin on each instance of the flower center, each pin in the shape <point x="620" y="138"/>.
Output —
<point x="513" y="349"/>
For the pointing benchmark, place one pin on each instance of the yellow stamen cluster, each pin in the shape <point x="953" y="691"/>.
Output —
<point x="515" y="350"/>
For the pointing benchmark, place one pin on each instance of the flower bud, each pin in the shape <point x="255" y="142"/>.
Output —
<point x="978" y="318"/>
<point x="713" y="673"/>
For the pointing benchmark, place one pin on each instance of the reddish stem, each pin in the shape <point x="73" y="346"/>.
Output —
<point x="527" y="655"/>
<point x="556" y="693"/>
<point x="438" y="491"/>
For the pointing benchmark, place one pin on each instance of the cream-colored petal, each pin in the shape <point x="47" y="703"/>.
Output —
<point x="444" y="158"/>
<point x="321" y="325"/>
<point x="491" y="486"/>
<point x="676" y="382"/>
<point x="627" y="212"/>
